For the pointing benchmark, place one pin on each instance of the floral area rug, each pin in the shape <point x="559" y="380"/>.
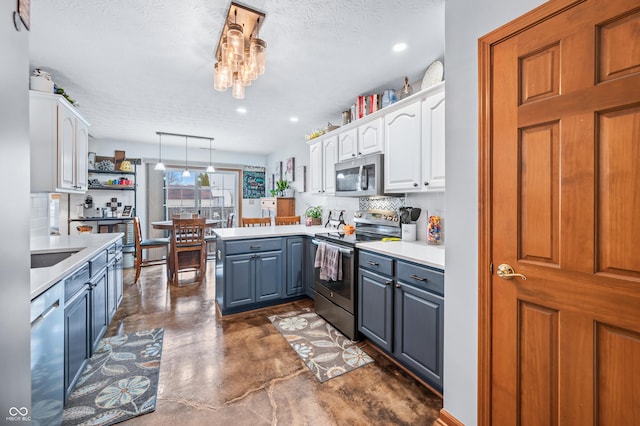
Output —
<point x="119" y="382"/>
<point x="325" y="351"/>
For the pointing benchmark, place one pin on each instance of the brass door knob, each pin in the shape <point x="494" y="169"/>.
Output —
<point x="506" y="272"/>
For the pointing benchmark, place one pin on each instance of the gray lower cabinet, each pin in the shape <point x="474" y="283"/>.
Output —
<point x="375" y="319"/>
<point x="309" y="269"/>
<point x="258" y="272"/>
<point x="98" y="289"/>
<point x="47" y="356"/>
<point x="250" y="273"/>
<point x="401" y="310"/>
<point x="77" y="338"/>
<point x="114" y="280"/>
<point x="295" y="266"/>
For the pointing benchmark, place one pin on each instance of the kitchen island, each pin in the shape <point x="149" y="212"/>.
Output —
<point x="262" y="266"/>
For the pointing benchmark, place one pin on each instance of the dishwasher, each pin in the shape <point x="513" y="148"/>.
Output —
<point x="47" y="356"/>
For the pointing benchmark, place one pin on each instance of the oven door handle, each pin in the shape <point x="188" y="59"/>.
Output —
<point x="348" y="252"/>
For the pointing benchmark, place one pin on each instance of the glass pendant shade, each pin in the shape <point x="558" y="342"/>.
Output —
<point x="235" y="40"/>
<point x="186" y="173"/>
<point x="237" y="89"/>
<point x="211" y="169"/>
<point x="258" y="50"/>
<point x="159" y="166"/>
<point x="186" y="164"/>
<point x="219" y="82"/>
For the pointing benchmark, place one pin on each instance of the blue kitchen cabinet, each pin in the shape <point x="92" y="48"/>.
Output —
<point x="401" y="310"/>
<point x="375" y="307"/>
<point x="98" y="285"/>
<point x="295" y="266"/>
<point x="269" y="275"/>
<point x="418" y="331"/>
<point x="239" y="280"/>
<point x="309" y="269"/>
<point x="77" y="338"/>
<point x="249" y="274"/>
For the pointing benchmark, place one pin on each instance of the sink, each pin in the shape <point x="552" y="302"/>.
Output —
<point x="47" y="259"/>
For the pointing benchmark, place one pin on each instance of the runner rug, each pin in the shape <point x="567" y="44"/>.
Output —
<point x="324" y="350"/>
<point x="119" y="382"/>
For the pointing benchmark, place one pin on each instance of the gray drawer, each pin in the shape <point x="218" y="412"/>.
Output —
<point x="376" y="262"/>
<point x="420" y="276"/>
<point x="98" y="262"/>
<point x="252" y="246"/>
<point x="76" y="281"/>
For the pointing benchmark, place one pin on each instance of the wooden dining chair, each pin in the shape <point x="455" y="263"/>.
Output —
<point x="188" y="248"/>
<point x="256" y="221"/>
<point x="287" y="220"/>
<point x="230" y="220"/>
<point x="141" y="245"/>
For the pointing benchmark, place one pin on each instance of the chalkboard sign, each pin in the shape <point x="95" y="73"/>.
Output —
<point x="252" y="184"/>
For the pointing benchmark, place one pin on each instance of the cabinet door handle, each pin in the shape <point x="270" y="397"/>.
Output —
<point x="415" y="184"/>
<point x="388" y="283"/>
<point x="415" y="277"/>
<point x="255" y="247"/>
<point x="426" y="184"/>
<point x="353" y="155"/>
<point x="373" y="263"/>
<point x="398" y="286"/>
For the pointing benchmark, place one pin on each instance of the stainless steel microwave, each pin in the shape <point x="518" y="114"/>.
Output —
<point x="360" y="177"/>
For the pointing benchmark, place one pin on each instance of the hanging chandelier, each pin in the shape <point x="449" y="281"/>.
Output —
<point x="240" y="52"/>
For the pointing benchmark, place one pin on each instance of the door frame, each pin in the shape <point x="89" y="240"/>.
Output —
<point x="485" y="186"/>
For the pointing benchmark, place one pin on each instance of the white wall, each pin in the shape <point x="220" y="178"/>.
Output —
<point x="15" y="368"/>
<point x="465" y="22"/>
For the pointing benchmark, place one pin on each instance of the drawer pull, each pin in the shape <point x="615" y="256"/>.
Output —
<point x="398" y="286"/>
<point x="255" y="247"/>
<point x="415" y="277"/>
<point x="388" y="282"/>
<point x="372" y="263"/>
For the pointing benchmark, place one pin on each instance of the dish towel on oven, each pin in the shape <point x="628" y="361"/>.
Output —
<point x="329" y="261"/>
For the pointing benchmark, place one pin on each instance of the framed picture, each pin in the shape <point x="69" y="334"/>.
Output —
<point x="278" y="170"/>
<point x="126" y="211"/>
<point x="301" y="182"/>
<point x="290" y="170"/>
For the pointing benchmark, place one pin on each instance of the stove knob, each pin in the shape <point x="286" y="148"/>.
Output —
<point x="395" y="218"/>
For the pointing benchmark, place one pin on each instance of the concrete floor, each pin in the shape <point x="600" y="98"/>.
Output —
<point x="238" y="370"/>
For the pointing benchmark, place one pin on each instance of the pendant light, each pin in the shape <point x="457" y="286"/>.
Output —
<point x="210" y="169"/>
<point x="186" y="169"/>
<point x="235" y="39"/>
<point x="159" y="166"/>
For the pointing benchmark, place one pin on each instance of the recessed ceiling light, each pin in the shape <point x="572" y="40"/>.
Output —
<point x="241" y="110"/>
<point x="293" y="119"/>
<point x="399" y="47"/>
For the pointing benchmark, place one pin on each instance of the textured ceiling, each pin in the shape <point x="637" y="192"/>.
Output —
<point x="137" y="67"/>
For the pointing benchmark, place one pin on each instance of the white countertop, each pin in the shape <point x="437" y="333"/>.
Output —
<point x="89" y="245"/>
<point x="268" y="231"/>
<point x="413" y="251"/>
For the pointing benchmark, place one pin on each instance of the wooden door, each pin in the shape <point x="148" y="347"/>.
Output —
<point x="560" y="199"/>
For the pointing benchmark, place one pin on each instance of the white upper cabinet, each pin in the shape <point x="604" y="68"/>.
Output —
<point x="348" y="144"/>
<point x="362" y="140"/>
<point x="329" y="159"/>
<point x="370" y="137"/>
<point x="323" y="156"/>
<point x="402" y="160"/>
<point x="415" y="144"/>
<point x="433" y="142"/>
<point x="59" y="145"/>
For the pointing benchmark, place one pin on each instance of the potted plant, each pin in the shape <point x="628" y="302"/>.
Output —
<point x="315" y="214"/>
<point x="282" y="186"/>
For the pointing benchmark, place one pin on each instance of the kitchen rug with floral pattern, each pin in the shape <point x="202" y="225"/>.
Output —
<point x="119" y="382"/>
<point x="325" y="351"/>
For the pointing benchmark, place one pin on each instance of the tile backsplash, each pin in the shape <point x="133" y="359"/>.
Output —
<point x="39" y="215"/>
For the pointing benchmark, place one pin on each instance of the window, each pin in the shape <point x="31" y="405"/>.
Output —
<point x="212" y="195"/>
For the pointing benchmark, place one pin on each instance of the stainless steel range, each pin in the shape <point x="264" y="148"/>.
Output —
<point x="336" y="300"/>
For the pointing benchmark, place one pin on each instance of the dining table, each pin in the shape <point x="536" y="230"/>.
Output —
<point x="167" y="225"/>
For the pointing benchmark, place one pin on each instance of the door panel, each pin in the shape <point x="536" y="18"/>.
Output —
<point x="563" y="178"/>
